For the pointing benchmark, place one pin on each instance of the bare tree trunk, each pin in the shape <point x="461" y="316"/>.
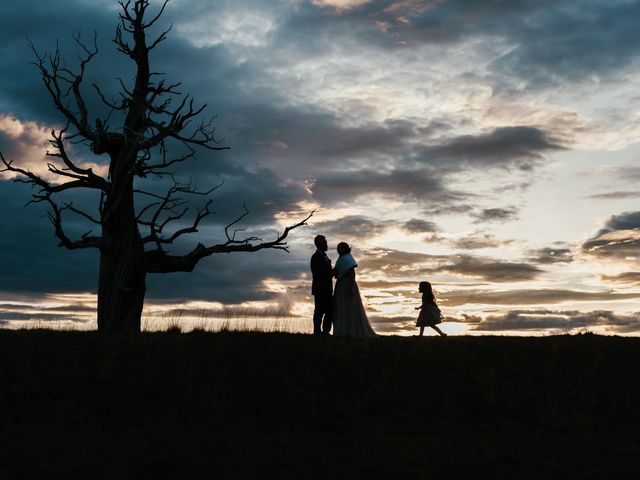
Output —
<point x="121" y="288"/>
<point x="121" y="284"/>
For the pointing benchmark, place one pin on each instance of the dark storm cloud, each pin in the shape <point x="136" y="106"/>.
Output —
<point x="401" y="160"/>
<point x="230" y="278"/>
<point x="552" y="41"/>
<point x="562" y="320"/>
<point x="410" y="21"/>
<point x="624" y="221"/>
<point x="293" y="133"/>
<point x="263" y="190"/>
<point x="619" y="195"/>
<point x="550" y="255"/>
<point x="394" y="262"/>
<point x="632" y="278"/>
<point x="496" y="215"/>
<point x="351" y="226"/>
<point x="407" y="165"/>
<point x="261" y="128"/>
<point x="25" y="96"/>
<point x="31" y="261"/>
<point x="417" y="225"/>
<point x="507" y="147"/>
<point x="528" y="297"/>
<point x="572" y="42"/>
<point x="538" y="319"/>
<point x="233" y="87"/>
<point x="457" y="209"/>
<point x="478" y="240"/>
<point x="521" y="146"/>
<point x="22" y="92"/>
<point x="489" y="269"/>
<point x="413" y="185"/>
<point x="619" y="239"/>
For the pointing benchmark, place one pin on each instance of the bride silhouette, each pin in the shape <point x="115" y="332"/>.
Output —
<point x="349" y="317"/>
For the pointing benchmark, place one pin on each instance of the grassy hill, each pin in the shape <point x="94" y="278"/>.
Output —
<point x="253" y="405"/>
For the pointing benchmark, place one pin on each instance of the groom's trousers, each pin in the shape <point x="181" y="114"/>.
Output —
<point x="322" y="313"/>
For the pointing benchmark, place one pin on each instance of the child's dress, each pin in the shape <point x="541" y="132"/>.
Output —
<point x="429" y="315"/>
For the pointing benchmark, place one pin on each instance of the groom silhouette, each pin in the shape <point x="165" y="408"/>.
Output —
<point x="322" y="287"/>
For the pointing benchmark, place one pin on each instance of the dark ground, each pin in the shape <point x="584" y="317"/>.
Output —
<point x="252" y="405"/>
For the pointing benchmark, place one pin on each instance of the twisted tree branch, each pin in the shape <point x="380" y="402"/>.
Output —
<point x="158" y="261"/>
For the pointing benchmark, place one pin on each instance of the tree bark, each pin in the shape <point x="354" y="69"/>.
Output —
<point x="121" y="282"/>
<point x="121" y="288"/>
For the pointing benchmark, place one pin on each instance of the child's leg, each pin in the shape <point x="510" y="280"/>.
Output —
<point x="421" y="331"/>
<point x="438" y="330"/>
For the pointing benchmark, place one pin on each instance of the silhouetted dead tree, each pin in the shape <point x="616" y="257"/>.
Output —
<point x="153" y="114"/>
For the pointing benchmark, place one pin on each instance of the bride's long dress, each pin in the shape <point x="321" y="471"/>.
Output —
<point x="349" y="316"/>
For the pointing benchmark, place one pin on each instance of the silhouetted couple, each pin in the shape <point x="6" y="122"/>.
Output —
<point x="341" y="307"/>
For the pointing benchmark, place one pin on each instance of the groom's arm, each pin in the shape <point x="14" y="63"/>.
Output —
<point x="315" y="270"/>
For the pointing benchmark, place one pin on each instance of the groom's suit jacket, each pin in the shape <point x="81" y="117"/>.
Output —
<point x="322" y="272"/>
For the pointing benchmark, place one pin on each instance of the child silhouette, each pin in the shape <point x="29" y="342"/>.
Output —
<point x="430" y="314"/>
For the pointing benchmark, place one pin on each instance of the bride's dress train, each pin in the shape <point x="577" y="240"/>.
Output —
<point x="349" y="316"/>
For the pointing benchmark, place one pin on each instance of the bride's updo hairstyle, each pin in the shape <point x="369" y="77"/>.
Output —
<point x="343" y="248"/>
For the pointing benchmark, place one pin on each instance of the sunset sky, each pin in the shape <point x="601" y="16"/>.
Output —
<point x="489" y="147"/>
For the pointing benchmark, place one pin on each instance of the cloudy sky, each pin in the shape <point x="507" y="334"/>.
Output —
<point x="490" y="147"/>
